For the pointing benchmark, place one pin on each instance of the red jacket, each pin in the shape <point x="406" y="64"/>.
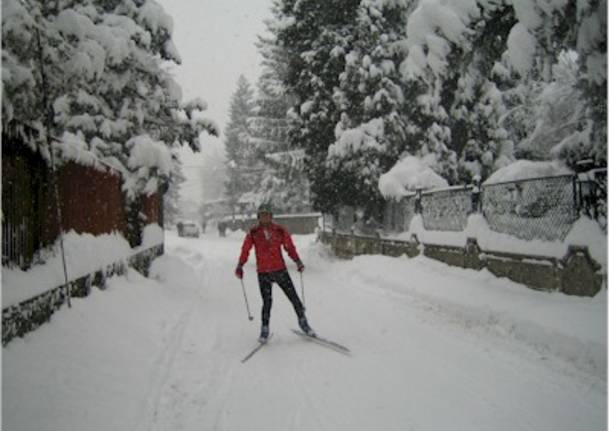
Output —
<point x="268" y="242"/>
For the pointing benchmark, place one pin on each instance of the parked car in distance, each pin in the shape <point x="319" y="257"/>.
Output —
<point x="188" y="229"/>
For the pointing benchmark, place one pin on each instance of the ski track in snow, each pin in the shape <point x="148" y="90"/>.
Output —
<point x="161" y="371"/>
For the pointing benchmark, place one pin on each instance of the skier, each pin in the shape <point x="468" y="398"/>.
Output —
<point x="267" y="239"/>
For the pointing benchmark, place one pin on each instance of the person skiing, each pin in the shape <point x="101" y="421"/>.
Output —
<point x="268" y="238"/>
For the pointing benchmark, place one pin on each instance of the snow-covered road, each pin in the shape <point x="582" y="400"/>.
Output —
<point x="434" y="348"/>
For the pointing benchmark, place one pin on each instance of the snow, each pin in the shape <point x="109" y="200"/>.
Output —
<point x="584" y="232"/>
<point x="85" y="253"/>
<point x="367" y="136"/>
<point x="409" y="173"/>
<point x="152" y="235"/>
<point x="146" y="152"/>
<point x="526" y="169"/>
<point x="434" y="347"/>
<point x="156" y="19"/>
<point x="431" y="27"/>
<point x="521" y="49"/>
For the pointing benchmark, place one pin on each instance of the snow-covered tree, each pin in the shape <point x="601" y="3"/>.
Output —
<point x="478" y="134"/>
<point x="283" y="182"/>
<point x="452" y="46"/>
<point x="312" y="32"/>
<point x="243" y="166"/>
<point x="558" y="111"/>
<point x="373" y="130"/>
<point x="91" y="76"/>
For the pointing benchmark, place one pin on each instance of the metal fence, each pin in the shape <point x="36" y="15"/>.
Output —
<point x="540" y="208"/>
<point x="397" y="215"/>
<point x="446" y="209"/>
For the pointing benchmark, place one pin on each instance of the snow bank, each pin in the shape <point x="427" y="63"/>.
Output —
<point x="585" y="232"/>
<point x="410" y="173"/>
<point x="553" y="324"/>
<point x="525" y="169"/>
<point x="152" y="235"/>
<point x="96" y="366"/>
<point x="173" y="272"/>
<point x="85" y="253"/>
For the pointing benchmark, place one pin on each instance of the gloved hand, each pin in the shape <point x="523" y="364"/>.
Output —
<point x="300" y="266"/>
<point x="239" y="272"/>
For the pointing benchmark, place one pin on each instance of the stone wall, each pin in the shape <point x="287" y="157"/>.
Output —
<point x="19" y="319"/>
<point x="574" y="274"/>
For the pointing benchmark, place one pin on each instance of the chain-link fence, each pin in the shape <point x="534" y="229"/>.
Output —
<point x="397" y="215"/>
<point x="446" y="209"/>
<point x="540" y="208"/>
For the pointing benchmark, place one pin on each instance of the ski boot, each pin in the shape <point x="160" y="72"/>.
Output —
<point x="264" y="334"/>
<point x="305" y="327"/>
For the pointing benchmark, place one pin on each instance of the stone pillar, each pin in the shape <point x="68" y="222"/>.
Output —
<point x="471" y="255"/>
<point x="580" y="274"/>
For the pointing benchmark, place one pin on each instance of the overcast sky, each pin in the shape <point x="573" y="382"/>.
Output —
<point x="215" y="39"/>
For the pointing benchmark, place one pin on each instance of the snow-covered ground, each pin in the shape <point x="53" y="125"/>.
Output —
<point x="434" y="348"/>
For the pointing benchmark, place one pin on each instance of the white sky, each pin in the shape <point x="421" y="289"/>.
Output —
<point x="215" y="39"/>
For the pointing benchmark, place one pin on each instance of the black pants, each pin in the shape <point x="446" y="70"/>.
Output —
<point x="282" y="278"/>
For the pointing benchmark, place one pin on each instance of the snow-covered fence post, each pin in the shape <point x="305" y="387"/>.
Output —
<point x="418" y="206"/>
<point x="476" y="195"/>
<point x="590" y="195"/>
<point x="580" y="273"/>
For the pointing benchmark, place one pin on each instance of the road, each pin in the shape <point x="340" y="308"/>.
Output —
<point x="416" y="363"/>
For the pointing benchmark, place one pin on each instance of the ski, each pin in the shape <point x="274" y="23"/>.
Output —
<point x="324" y="342"/>
<point x="256" y="349"/>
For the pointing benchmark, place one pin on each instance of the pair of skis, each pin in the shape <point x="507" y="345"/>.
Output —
<point x="314" y="338"/>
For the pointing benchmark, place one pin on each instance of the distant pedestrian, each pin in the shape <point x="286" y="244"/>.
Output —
<point x="268" y="239"/>
<point x="222" y="228"/>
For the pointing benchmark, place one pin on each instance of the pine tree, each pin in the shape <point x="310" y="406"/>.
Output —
<point x="283" y="182"/>
<point x="478" y="137"/>
<point x="243" y="168"/>
<point x="372" y="133"/>
<point x="312" y="32"/>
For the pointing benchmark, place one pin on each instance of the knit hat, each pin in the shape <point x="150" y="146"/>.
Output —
<point x="264" y="208"/>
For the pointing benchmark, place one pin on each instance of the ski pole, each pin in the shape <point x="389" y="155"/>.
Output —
<point x="302" y="290"/>
<point x="243" y="289"/>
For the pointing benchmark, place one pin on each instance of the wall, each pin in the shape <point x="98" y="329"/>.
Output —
<point x="91" y="199"/>
<point x="574" y="274"/>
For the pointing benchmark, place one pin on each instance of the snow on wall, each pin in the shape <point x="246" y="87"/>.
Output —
<point x="585" y="232"/>
<point x="525" y="169"/>
<point x="85" y="253"/>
